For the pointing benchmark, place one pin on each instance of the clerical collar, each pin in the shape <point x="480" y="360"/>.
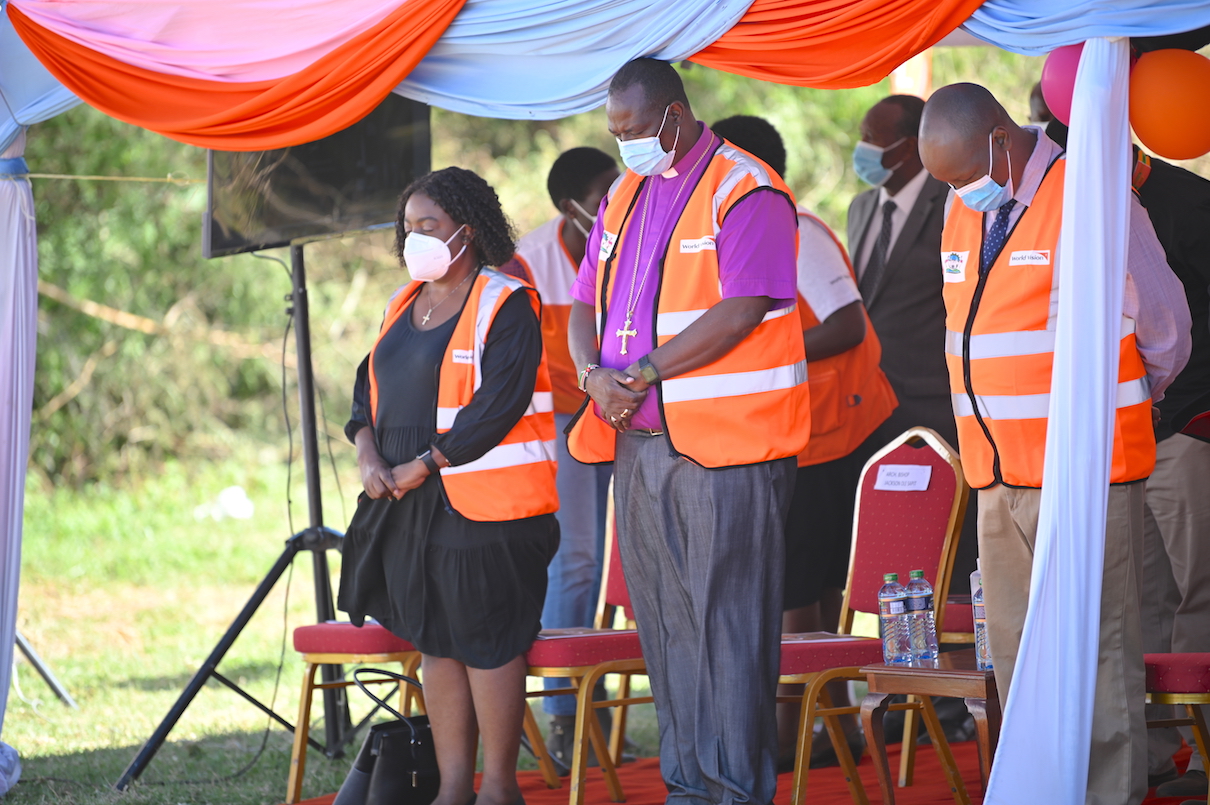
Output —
<point x="703" y="141"/>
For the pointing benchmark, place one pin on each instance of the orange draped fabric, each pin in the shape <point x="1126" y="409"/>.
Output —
<point x="832" y="44"/>
<point x="332" y="94"/>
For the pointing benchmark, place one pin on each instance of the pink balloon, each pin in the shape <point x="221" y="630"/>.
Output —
<point x="1059" y="80"/>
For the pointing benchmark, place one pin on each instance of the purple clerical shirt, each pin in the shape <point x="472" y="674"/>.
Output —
<point x="756" y="256"/>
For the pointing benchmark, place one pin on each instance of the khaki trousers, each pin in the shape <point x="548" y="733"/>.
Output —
<point x="1176" y="572"/>
<point x="1008" y="525"/>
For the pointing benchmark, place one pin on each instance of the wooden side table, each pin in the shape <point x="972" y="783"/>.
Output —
<point x="954" y="673"/>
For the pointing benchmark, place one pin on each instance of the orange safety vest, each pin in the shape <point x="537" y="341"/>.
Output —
<point x="552" y="271"/>
<point x="752" y="404"/>
<point x="850" y="394"/>
<point x="999" y="345"/>
<point x="516" y="478"/>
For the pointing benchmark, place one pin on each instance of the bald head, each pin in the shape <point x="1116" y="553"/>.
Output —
<point x="958" y="122"/>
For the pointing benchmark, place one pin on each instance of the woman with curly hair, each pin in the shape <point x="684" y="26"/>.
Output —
<point x="452" y="418"/>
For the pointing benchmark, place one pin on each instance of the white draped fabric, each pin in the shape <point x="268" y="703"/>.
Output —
<point x="1044" y="745"/>
<point x="18" y="331"/>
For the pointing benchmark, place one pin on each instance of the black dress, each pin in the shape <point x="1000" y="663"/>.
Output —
<point x="457" y="588"/>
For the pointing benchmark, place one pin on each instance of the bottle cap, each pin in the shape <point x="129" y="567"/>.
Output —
<point x="889" y="577"/>
<point x="917" y="574"/>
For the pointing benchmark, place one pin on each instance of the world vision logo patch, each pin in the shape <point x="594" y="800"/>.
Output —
<point x="702" y="244"/>
<point x="463" y="356"/>
<point x="1030" y="258"/>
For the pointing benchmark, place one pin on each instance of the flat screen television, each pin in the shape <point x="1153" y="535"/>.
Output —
<point x="347" y="182"/>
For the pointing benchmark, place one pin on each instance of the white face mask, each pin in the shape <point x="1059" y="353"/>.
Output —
<point x="646" y="155"/>
<point x="428" y="258"/>
<point x="592" y="219"/>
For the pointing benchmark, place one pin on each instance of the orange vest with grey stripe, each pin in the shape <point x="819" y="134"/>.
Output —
<point x="516" y="478"/>
<point x="752" y="404"/>
<point x="1000" y="342"/>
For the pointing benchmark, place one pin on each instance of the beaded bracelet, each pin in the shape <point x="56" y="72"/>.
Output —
<point x="583" y="382"/>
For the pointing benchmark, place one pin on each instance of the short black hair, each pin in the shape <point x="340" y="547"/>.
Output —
<point x="574" y="170"/>
<point x="468" y="199"/>
<point x="660" y="81"/>
<point x="757" y="136"/>
<point x="912" y="108"/>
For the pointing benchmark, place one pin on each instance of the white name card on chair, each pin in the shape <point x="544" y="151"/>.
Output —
<point x="903" y="477"/>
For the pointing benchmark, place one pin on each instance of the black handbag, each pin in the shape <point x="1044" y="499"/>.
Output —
<point x="397" y="764"/>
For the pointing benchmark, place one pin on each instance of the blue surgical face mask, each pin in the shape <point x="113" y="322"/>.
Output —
<point x="867" y="162"/>
<point x="985" y="195"/>
<point x="646" y="155"/>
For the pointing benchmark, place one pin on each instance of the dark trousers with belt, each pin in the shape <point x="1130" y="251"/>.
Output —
<point x="702" y="551"/>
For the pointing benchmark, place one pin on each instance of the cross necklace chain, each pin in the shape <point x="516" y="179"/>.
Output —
<point x="425" y="319"/>
<point x="627" y="332"/>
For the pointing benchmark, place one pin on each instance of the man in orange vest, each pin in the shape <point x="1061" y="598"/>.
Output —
<point x="686" y="300"/>
<point x="999" y="251"/>
<point x="850" y="398"/>
<point x="548" y="258"/>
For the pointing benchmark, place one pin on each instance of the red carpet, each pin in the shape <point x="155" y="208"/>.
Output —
<point x="643" y="786"/>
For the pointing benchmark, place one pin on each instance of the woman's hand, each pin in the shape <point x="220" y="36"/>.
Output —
<point x="375" y="473"/>
<point x="614" y="393"/>
<point x="407" y="477"/>
<point x="376" y="477"/>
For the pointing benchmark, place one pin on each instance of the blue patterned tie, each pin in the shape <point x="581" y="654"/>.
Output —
<point x="993" y="241"/>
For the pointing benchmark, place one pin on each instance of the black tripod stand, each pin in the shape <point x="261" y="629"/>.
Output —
<point x="316" y="538"/>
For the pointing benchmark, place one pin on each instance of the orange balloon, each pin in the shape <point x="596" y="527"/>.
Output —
<point x="1170" y="103"/>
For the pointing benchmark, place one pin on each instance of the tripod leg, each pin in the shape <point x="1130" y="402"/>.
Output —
<point x="44" y="671"/>
<point x="200" y="678"/>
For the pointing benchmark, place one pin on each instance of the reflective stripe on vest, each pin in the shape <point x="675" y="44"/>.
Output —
<point x="1037" y="406"/>
<point x="507" y="455"/>
<point x="1000" y="342"/>
<point x="669" y="324"/>
<point x="542" y="402"/>
<point x="1007" y="345"/>
<point x="707" y="387"/>
<point x="750" y="405"/>
<point x="516" y="478"/>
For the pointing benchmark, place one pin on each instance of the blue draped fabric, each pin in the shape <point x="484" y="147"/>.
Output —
<point x="28" y="93"/>
<point x="1036" y="27"/>
<point x="546" y="59"/>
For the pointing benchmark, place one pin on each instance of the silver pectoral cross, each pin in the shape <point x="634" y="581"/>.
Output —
<point x="626" y="333"/>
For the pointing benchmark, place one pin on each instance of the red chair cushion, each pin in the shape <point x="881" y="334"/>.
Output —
<point x="1178" y="673"/>
<point x="572" y="648"/>
<point x="812" y="652"/>
<point x="959" y="616"/>
<point x="345" y="638"/>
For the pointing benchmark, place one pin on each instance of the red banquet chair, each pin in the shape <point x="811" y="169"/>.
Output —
<point x="893" y="531"/>
<point x="585" y="656"/>
<point x="342" y="643"/>
<point x="1181" y="679"/>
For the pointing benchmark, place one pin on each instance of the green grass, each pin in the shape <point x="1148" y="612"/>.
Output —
<point x="125" y="592"/>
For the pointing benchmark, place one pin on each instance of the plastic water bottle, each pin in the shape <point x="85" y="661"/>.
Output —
<point x="983" y="651"/>
<point x="892" y="621"/>
<point x="922" y="622"/>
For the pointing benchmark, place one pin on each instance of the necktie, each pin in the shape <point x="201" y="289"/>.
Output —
<point x="993" y="241"/>
<point x="873" y="269"/>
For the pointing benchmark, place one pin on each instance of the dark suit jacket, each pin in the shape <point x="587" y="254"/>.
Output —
<point x="908" y="312"/>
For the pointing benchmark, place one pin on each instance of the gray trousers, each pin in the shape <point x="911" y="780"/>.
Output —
<point x="702" y="551"/>
<point x="1176" y="573"/>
